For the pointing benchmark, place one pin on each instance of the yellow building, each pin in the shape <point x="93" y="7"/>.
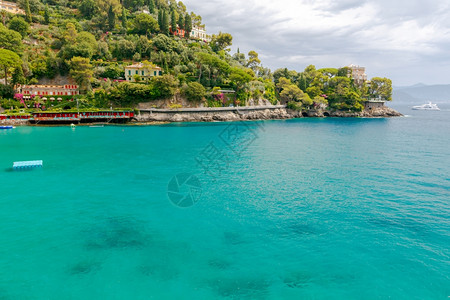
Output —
<point x="144" y="70"/>
<point x="11" y="8"/>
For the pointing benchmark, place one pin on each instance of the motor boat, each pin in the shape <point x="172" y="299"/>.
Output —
<point x="428" y="106"/>
<point x="6" y="127"/>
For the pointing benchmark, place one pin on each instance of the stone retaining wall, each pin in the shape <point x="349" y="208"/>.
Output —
<point x="249" y="113"/>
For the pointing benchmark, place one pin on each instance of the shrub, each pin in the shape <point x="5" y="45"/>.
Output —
<point x="194" y="91"/>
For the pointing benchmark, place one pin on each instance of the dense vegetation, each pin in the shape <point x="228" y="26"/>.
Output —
<point x="92" y="41"/>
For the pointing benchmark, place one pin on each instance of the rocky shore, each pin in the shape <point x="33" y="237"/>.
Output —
<point x="255" y="113"/>
<point x="14" y="122"/>
<point x="223" y="114"/>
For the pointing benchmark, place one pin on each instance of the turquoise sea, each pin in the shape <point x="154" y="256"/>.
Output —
<point x="295" y="209"/>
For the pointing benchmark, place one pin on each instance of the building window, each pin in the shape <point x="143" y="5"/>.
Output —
<point x="137" y="72"/>
<point x="143" y="73"/>
<point x="129" y="72"/>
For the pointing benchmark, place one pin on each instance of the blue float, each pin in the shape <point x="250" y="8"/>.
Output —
<point x="27" y="164"/>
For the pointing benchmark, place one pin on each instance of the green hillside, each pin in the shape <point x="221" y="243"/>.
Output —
<point x="92" y="42"/>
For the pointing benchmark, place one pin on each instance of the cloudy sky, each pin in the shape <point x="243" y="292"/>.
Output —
<point x="405" y="40"/>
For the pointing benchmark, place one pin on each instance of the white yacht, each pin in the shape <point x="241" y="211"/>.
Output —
<point x="428" y="106"/>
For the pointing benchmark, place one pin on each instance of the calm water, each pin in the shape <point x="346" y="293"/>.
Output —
<point x="297" y="209"/>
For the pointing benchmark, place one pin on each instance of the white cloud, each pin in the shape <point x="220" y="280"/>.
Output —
<point x="406" y="40"/>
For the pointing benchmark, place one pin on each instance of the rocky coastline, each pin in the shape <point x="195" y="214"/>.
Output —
<point x="256" y="113"/>
<point x="274" y="112"/>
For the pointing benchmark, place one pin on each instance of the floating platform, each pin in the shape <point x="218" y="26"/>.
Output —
<point x="27" y="164"/>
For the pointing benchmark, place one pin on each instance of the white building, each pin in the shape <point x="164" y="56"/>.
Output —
<point x="199" y="33"/>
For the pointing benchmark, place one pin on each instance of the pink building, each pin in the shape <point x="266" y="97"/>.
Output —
<point x="49" y="90"/>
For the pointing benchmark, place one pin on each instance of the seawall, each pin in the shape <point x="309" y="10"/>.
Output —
<point x="250" y="113"/>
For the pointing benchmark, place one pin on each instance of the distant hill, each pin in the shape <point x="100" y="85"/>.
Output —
<point x="422" y="93"/>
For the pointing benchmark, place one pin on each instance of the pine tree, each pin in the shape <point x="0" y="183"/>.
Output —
<point x="111" y="18"/>
<point x="46" y="15"/>
<point x="181" y="21"/>
<point x="166" y="22"/>
<point x="160" y="19"/>
<point x="151" y="6"/>
<point x="124" y="18"/>
<point x="28" y="11"/>
<point x="173" y="24"/>
<point x="302" y="83"/>
<point x="187" y="25"/>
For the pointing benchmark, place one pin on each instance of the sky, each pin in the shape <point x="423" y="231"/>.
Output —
<point x="407" y="41"/>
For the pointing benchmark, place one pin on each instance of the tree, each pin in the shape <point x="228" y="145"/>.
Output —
<point x="165" y="23"/>
<point x="239" y="77"/>
<point x="187" y="25"/>
<point x="145" y="24"/>
<point x="111" y="18"/>
<point x="113" y="72"/>
<point x="211" y="62"/>
<point x="320" y="100"/>
<point x="81" y="70"/>
<point x="20" y="25"/>
<point x="194" y="91"/>
<point x="344" y="72"/>
<point x="17" y="76"/>
<point x="284" y="72"/>
<point x="181" y="7"/>
<point x="8" y="59"/>
<point x="165" y="86"/>
<point x="137" y="56"/>
<point x="28" y="11"/>
<point x="103" y="51"/>
<point x="381" y="88"/>
<point x="240" y="58"/>
<point x="123" y="49"/>
<point x="196" y="19"/>
<point x="151" y="6"/>
<point x="310" y="73"/>
<point x="124" y="18"/>
<point x="160" y="18"/>
<point x="181" y="21"/>
<point x="88" y="8"/>
<point x="143" y="45"/>
<point x="4" y="15"/>
<point x="70" y="34"/>
<point x="162" y="42"/>
<point x="221" y="42"/>
<point x="46" y="15"/>
<point x="292" y="92"/>
<point x="84" y="45"/>
<point x="173" y="22"/>
<point x="253" y="61"/>
<point x="10" y="40"/>
<point x="329" y="72"/>
<point x="282" y="83"/>
<point x="302" y="83"/>
<point x="104" y="5"/>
